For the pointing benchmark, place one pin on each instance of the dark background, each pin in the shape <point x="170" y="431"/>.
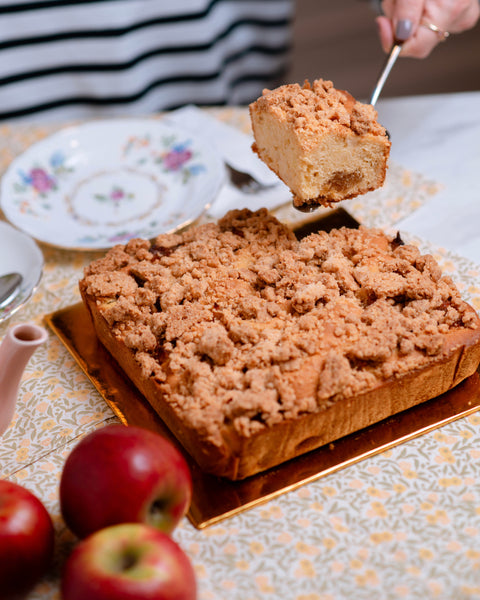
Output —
<point x="337" y="40"/>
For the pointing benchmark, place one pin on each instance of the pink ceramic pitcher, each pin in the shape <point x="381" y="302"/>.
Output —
<point x="18" y="345"/>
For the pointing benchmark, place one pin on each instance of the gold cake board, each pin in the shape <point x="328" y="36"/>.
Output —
<point x="214" y="498"/>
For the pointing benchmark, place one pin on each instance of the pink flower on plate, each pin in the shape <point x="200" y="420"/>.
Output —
<point x="41" y="180"/>
<point x="117" y="193"/>
<point x="176" y="158"/>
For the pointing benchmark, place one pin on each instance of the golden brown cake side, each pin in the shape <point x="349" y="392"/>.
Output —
<point x="255" y="347"/>
<point x="322" y="143"/>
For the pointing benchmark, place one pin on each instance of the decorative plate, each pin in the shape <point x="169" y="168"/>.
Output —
<point x="102" y="183"/>
<point x="19" y="254"/>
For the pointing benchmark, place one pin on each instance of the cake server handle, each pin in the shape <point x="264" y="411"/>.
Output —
<point x="385" y="72"/>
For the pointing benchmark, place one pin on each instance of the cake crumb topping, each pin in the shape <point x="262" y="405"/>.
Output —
<point x="315" y="106"/>
<point x="243" y="325"/>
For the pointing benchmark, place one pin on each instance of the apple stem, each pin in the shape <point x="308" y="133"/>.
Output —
<point x="158" y="512"/>
<point x="128" y="560"/>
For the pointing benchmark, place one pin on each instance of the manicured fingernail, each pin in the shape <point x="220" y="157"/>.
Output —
<point x="403" y="30"/>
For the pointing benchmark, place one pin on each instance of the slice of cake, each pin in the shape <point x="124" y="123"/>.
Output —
<point x="321" y="142"/>
<point x="255" y="347"/>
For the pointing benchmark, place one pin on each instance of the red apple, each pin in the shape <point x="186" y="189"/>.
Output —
<point x="121" y="474"/>
<point x="26" y="540"/>
<point x="131" y="561"/>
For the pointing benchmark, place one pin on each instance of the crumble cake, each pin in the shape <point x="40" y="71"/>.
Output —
<point x="255" y="347"/>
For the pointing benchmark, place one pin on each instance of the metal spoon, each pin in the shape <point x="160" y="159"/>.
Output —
<point x="9" y="287"/>
<point x="382" y="78"/>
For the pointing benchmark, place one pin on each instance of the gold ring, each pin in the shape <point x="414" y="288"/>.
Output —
<point x="443" y="35"/>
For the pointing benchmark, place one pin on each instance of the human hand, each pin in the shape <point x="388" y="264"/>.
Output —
<point x="414" y="22"/>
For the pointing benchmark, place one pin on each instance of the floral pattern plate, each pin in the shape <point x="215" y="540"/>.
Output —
<point x="102" y="183"/>
<point x="19" y="254"/>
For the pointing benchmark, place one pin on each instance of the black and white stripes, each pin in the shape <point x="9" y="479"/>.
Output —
<point x="72" y="59"/>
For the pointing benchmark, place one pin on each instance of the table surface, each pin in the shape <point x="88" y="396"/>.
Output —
<point x="438" y="136"/>
<point x="401" y="524"/>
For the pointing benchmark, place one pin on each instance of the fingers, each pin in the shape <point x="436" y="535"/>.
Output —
<point x="406" y="17"/>
<point x="405" y="20"/>
<point x="421" y="44"/>
<point x="462" y="14"/>
<point x="439" y="16"/>
<point x="385" y="32"/>
<point x="400" y="22"/>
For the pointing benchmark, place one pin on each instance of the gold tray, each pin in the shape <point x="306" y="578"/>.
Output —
<point x="216" y="498"/>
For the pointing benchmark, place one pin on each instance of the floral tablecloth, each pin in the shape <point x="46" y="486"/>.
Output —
<point x="402" y="524"/>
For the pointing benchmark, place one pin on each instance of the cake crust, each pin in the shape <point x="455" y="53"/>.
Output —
<point x="321" y="142"/>
<point x="255" y="347"/>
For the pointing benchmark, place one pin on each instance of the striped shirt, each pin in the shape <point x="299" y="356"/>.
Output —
<point x="63" y="59"/>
